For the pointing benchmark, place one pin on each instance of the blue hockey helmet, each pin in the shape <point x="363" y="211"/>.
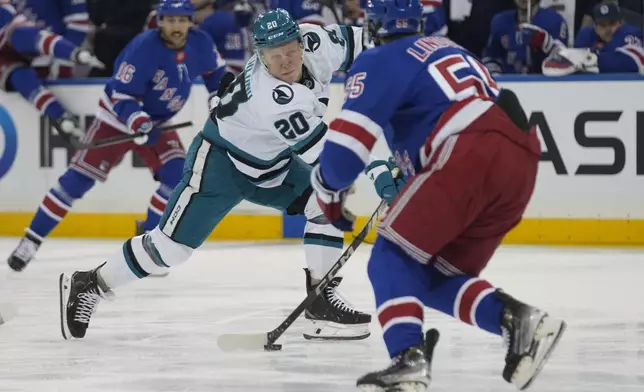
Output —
<point x="389" y="17"/>
<point x="274" y="28"/>
<point x="175" y="8"/>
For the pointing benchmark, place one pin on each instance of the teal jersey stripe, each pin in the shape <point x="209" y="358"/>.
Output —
<point x="323" y="240"/>
<point x="347" y="35"/>
<point x="211" y="132"/>
<point x="305" y="144"/>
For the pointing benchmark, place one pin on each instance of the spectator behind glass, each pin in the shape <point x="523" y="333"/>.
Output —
<point x="117" y="23"/>
<point x="226" y="22"/>
<point x="472" y="31"/>
<point x="618" y="45"/>
<point x="521" y="39"/>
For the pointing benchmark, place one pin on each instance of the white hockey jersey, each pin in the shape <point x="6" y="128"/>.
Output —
<point x="262" y="121"/>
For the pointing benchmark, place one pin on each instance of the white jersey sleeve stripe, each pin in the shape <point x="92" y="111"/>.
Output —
<point x="360" y="120"/>
<point x="636" y="54"/>
<point x="351" y="143"/>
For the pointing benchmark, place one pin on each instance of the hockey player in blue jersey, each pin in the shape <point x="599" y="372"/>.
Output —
<point x="68" y="18"/>
<point x="471" y="159"/>
<point x="227" y="25"/>
<point x="434" y="19"/>
<point x="521" y="39"/>
<point x="153" y="78"/>
<point x="609" y="46"/>
<point x="225" y="21"/>
<point x="21" y="41"/>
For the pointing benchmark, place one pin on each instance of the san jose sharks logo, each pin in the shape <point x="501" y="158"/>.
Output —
<point x="283" y="94"/>
<point x="311" y="42"/>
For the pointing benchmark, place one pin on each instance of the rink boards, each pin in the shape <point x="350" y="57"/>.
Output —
<point x="590" y="188"/>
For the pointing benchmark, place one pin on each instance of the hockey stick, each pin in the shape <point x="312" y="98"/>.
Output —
<point x="331" y="6"/>
<point x="7" y="310"/>
<point x="77" y="144"/>
<point x="266" y="341"/>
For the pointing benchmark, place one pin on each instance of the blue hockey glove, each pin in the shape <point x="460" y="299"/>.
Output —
<point x="387" y="186"/>
<point x="332" y="202"/>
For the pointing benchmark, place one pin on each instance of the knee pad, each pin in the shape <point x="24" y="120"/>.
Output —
<point x="170" y="174"/>
<point x="75" y="184"/>
<point x="168" y="252"/>
<point x="387" y="260"/>
<point x="25" y="81"/>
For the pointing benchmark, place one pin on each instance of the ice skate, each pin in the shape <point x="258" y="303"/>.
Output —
<point x="24" y="253"/>
<point x="79" y="296"/>
<point x="332" y="317"/>
<point x="410" y="371"/>
<point x="531" y="335"/>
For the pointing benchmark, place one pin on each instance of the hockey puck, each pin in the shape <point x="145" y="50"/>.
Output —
<point x="272" y="347"/>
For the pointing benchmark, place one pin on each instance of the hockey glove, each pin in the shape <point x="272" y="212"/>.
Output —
<point x="150" y="134"/>
<point x="568" y="61"/>
<point x="537" y="38"/>
<point x="387" y="187"/>
<point x="213" y="99"/>
<point x="68" y="125"/>
<point x="332" y="202"/>
<point x="85" y="57"/>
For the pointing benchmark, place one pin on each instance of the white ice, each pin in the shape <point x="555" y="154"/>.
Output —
<point x="160" y="334"/>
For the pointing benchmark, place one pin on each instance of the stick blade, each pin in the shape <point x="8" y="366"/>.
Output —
<point x="243" y="342"/>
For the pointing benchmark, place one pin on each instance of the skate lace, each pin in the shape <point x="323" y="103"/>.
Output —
<point x="338" y="301"/>
<point x="86" y="305"/>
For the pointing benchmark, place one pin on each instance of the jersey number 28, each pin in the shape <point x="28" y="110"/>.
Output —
<point x="477" y="82"/>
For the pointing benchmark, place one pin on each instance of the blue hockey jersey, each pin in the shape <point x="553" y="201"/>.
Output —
<point x="507" y="53"/>
<point x="229" y="38"/>
<point x="151" y="80"/>
<point x="304" y="11"/>
<point x="20" y="35"/>
<point x="623" y="53"/>
<point x="400" y="89"/>
<point x="434" y="17"/>
<point x="68" y="18"/>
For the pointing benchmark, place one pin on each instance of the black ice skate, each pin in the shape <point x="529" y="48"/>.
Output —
<point x="79" y="296"/>
<point x="410" y="371"/>
<point x="531" y="335"/>
<point x="24" y="253"/>
<point x="332" y="317"/>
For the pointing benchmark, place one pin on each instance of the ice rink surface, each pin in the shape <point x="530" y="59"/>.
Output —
<point x="160" y="334"/>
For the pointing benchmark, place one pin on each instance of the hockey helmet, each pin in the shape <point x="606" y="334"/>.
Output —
<point x="274" y="28"/>
<point x="389" y="17"/>
<point x="175" y="8"/>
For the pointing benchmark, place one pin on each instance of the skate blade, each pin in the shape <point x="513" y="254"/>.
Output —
<point x="402" y="387"/>
<point x="548" y="335"/>
<point x="64" y="283"/>
<point x="328" y="330"/>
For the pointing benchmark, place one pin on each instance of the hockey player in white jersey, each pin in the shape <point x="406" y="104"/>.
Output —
<point x="258" y="145"/>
